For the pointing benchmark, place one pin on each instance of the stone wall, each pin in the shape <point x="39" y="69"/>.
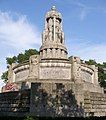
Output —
<point x="18" y="73"/>
<point x="14" y="103"/>
<point x="55" y="70"/>
<point x="87" y="86"/>
<point x="95" y="104"/>
<point x="54" y="102"/>
<point x="21" y="72"/>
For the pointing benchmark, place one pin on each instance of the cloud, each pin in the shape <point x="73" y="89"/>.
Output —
<point x="83" y="14"/>
<point x="16" y="35"/>
<point x="17" y="32"/>
<point x="87" y="50"/>
<point x="84" y="9"/>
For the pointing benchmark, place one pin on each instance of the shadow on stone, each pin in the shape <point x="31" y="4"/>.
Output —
<point x="61" y="103"/>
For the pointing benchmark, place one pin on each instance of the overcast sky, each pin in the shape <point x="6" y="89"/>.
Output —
<point x="84" y="25"/>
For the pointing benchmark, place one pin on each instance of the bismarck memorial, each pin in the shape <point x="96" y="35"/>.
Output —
<point x="59" y="86"/>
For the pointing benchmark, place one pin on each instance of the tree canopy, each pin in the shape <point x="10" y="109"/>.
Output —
<point x="101" y="73"/>
<point x="5" y="76"/>
<point x="24" y="57"/>
<point x="20" y="58"/>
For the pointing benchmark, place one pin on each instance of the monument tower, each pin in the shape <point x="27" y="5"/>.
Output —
<point x="56" y="74"/>
<point x="53" y="65"/>
<point x="53" y="37"/>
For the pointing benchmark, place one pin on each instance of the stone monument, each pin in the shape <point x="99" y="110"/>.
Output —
<point x="53" y="66"/>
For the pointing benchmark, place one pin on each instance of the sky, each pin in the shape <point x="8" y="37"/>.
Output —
<point x="22" y="22"/>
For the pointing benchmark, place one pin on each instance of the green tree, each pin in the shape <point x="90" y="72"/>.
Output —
<point x="11" y="60"/>
<point x="29" y="118"/>
<point x="30" y="52"/>
<point x="91" y="62"/>
<point x="4" y="76"/>
<point x="104" y="64"/>
<point x="101" y="74"/>
<point x="20" y="58"/>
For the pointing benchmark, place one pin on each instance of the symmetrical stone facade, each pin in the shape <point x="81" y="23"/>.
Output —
<point x="95" y="104"/>
<point x="53" y="37"/>
<point x="53" y="66"/>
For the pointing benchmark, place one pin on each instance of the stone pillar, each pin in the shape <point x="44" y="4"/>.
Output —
<point x="53" y="52"/>
<point x="48" y="53"/>
<point x="63" y="38"/>
<point x="77" y="85"/>
<point x="59" y="53"/>
<point x="75" y="69"/>
<point x="44" y="53"/>
<point x="34" y="67"/>
<point x="66" y="55"/>
<point x="11" y="74"/>
<point x="95" y="74"/>
<point x="56" y="51"/>
<point x="54" y="28"/>
<point x="62" y="53"/>
<point x="41" y="54"/>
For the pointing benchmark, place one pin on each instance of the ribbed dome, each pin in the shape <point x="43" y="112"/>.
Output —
<point x="53" y="46"/>
<point x="53" y="12"/>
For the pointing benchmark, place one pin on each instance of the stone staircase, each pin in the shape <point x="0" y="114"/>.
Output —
<point x="94" y="104"/>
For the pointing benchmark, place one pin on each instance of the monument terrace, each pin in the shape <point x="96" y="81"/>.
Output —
<point x="53" y="76"/>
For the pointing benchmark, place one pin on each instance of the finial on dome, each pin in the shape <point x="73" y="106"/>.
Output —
<point x="53" y="8"/>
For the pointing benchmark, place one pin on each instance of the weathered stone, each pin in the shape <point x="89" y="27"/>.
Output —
<point x="52" y="69"/>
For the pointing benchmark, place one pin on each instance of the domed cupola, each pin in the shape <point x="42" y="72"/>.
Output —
<point x="53" y="37"/>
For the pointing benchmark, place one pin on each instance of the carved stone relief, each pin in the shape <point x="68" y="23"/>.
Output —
<point x="54" y="73"/>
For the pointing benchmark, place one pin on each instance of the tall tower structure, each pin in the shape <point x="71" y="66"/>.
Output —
<point x="53" y="37"/>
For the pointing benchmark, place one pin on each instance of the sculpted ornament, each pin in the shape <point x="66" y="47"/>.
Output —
<point x="34" y="59"/>
<point x="45" y="36"/>
<point x="50" y="33"/>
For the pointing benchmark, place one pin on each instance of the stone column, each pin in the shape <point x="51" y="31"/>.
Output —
<point x="34" y="66"/>
<point x="59" y="53"/>
<point x="65" y="55"/>
<point x="11" y="74"/>
<point x="48" y="53"/>
<point x="41" y="54"/>
<point x="62" y="53"/>
<point x="54" y="29"/>
<point x="44" y="53"/>
<point x="53" y="52"/>
<point x="63" y="38"/>
<point x="95" y="74"/>
<point x="75" y="69"/>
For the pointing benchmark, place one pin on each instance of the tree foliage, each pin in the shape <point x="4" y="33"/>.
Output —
<point x="4" y="76"/>
<point x="91" y="62"/>
<point x="23" y="57"/>
<point x="30" y="118"/>
<point x="20" y="58"/>
<point x="11" y="60"/>
<point x="101" y="73"/>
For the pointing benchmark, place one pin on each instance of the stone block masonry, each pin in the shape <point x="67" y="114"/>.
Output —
<point x="58" y="84"/>
<point x="95" y="104"/>
<point x="15" y="103"/>
<point x="53" y="100"/>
